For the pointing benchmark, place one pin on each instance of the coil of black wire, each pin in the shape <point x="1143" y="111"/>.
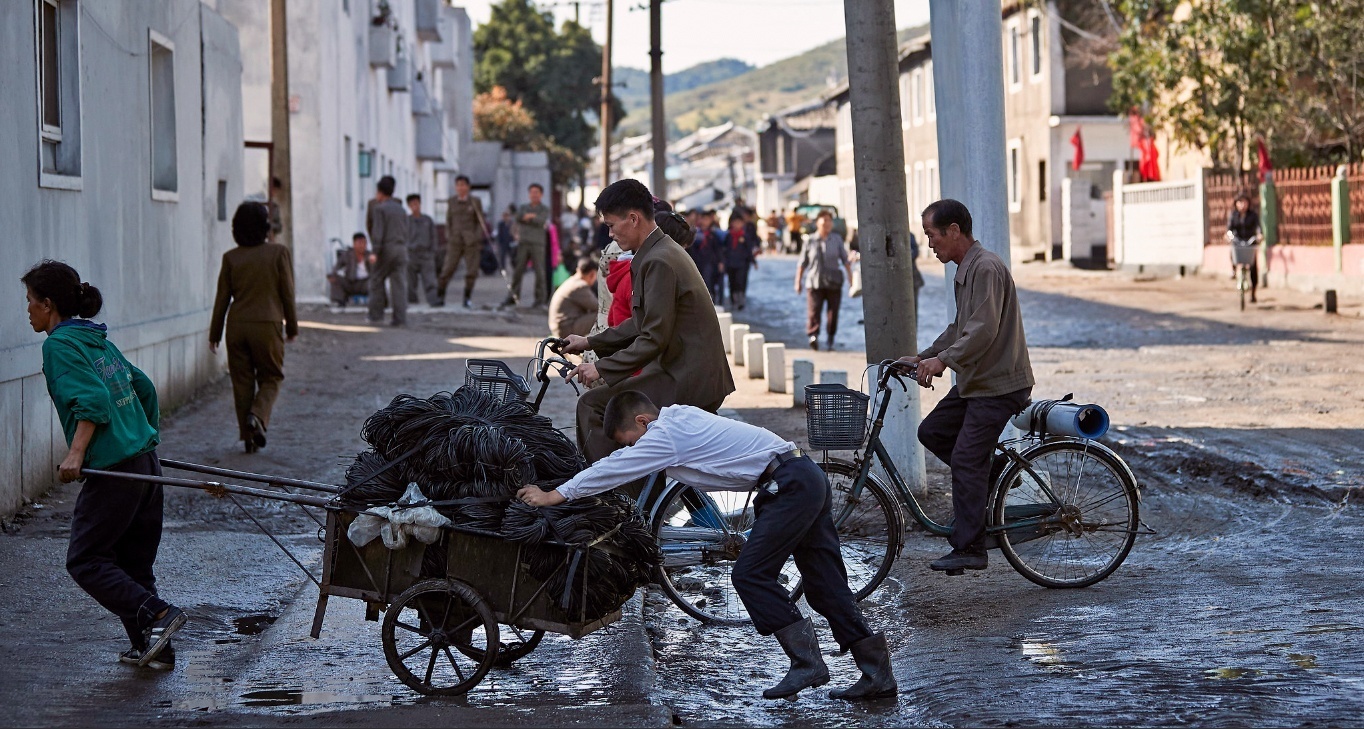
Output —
<point x="606" y="574"/>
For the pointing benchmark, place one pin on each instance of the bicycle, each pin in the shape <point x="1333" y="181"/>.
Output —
<point x="1243" y="251"/>
<point x="700" y="533"/>
<point x="1064" y="510"/>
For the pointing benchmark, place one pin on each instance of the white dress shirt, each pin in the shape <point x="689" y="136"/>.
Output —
<point x="698" y="448"/>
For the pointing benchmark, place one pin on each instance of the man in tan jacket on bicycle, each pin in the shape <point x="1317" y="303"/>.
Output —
<point x="985" y="346"/>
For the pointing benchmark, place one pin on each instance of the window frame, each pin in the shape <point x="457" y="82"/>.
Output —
<point x="1013" y="163"/>
<point x="59" y="150"/>
<point x="932" y="184"/>
<point x="1035" y="46"/>
<point x="929" y="101"/>
<point x="161" y="194"/>
<point x="48" y="132"/>
<point x="916" y="96"/>
<point x="1013" y="53"/>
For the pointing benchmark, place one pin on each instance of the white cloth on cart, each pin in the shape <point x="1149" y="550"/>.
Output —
<point x="396" y="524"/>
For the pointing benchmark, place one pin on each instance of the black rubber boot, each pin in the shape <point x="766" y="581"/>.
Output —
<point x="807" y="665"/>
<point x="878" y="678"/>
<point x="958" y="560"/>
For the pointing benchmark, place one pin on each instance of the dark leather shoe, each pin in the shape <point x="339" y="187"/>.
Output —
<point x="257" y="431"/>
<point x="807" y="665"/>
<point x="872" y="655"/>
<point x="959" y="560"/>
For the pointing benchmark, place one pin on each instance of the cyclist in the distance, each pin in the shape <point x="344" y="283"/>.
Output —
<point x="985" y="346"/>
<point x="1244" y="224"/>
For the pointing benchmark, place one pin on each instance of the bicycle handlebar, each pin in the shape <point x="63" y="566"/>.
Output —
<point x="891" y="368"/>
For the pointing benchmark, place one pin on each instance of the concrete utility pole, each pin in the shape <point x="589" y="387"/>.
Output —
<point x="659" y="141"/>
<point x="279" y="122"/>
<point x="968" y="55"/>
<point x="883" y="214"/>
<point x="605" y="116"/>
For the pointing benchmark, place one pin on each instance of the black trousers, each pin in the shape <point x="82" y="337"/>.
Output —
<point x="829" y="300"/>
<point x="962" y="432"/>
<point x="115" y="532"/>
<point x="797" y="521"/>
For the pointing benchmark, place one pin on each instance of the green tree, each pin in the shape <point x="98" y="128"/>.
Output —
<point x="1324" y="119"/>
<point x="551" y="73"/>
<point x="1214" y="73"/>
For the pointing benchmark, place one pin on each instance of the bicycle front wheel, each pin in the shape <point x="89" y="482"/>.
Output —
<point x="1072" y="520"/>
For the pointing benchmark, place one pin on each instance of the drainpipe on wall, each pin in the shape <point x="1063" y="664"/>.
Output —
<point x="1340" y="215"/>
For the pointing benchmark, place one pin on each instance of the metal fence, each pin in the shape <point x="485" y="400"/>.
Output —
<point x="1304" y="195"/>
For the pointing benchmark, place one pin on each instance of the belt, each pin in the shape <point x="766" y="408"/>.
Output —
<point x="778" y="460"/>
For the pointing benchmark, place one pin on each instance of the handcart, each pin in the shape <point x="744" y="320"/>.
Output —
<point x="440" y="617"/>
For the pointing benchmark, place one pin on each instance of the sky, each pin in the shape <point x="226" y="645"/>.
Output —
<point x="696" y="31"/>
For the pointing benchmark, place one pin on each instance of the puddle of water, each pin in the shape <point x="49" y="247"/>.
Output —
<point x="1328" y="628"/>
<point x="1230" y="673"/>
<point x="298" y="697"/>
<point x="1252" y="630"/>
<point x="1042" y="653"/>
<point x="253" y="624"/>
<point x="1303" y="660"/>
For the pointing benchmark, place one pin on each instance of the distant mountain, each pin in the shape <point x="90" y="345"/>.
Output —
<point x="633" y="83"/>
<point x="745" y="98"/>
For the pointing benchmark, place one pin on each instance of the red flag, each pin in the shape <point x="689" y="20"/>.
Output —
<point x="1136" y="129"/>
<point x="1149" y="168"/>
<point x="1266" y="165"/>
<point x="1079" y="144"/>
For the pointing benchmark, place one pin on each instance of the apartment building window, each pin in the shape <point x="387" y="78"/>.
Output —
<point x="916" y="95"/>
<point x="928" y="91"/>
<point x="918" y="195"/>
<point x="1014" y="58"/>
<point x="931" y="181"/>
<point x="350" y="177"/>
<point x="1042" y="180"/>
<point x="1015" y="162"/>
<point x="906" y="113"/>
<point x="1035" y="42"/>
<point x="57" y="47"/>
<point x="161" y="74"/>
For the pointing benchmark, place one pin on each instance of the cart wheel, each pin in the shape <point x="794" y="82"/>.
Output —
<point x="524" y="642"/>
<point x="425" y="622"/>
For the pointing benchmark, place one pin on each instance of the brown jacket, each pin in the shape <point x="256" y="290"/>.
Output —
<point x="572" y="308"/>
<point x="258" y="283"/>
<point x="985" y="346"/>
<point x="465" y="216"/>
<point x="672" y="328"/>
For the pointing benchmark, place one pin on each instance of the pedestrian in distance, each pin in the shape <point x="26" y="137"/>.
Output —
<point x="672" y="338"/>
<point x="573" y="307"/>
<point x="255" y="301"/>
<point x="421" y="251"/>
<point x="1243" y="223"/>
<point x="465" y="231"/>
<point x="532" y="239"/>
<point x="792" y="517"/>
<point x="708" y="252"/>
<point x="387" y="224"/>
<point x="108" y="413"/>
<point x="350" y="276"/>
<point x="822" y="264"/>
<point x="506" y="237"/>
<point x="740" y="254"/>
<point x="986" y="348"/>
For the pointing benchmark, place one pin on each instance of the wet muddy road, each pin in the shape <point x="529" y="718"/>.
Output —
<point x="1242" y="609"/>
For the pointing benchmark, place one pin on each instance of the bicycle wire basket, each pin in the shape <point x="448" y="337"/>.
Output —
<point x="835" y="416"/>
<point x="1243" y="255"/>
<point x="495" y="378"/>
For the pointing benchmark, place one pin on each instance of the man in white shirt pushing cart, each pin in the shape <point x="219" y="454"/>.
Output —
<point x="792" y="518"/>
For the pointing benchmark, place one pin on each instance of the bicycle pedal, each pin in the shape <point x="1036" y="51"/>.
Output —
<point x="955" y="573"/>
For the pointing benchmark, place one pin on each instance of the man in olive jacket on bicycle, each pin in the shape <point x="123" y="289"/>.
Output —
<point x="985" y="346"/>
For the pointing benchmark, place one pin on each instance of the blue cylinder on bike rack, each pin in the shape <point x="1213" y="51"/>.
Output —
<point x="1059" y="417"/>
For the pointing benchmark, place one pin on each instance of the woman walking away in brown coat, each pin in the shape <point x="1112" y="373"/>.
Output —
<point x="257" y="282"/>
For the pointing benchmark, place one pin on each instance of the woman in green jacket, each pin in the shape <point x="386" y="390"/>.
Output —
<point x="108" y="412"/>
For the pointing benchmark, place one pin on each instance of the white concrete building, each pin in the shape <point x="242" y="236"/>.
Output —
<point x="376" y="87"/>
<point x="121" y="134"/>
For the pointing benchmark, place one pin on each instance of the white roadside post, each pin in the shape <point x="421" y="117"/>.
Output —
<point x="802" y="374"/>
<point x="774" y="366"/>
<point x="737" y="332"/>
<point x="753" y="355"/>
<point x="726" y="321"/>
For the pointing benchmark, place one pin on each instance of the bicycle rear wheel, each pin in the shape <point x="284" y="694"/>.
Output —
<point x="1074" y="522"/>
<point x="869" y="527"/>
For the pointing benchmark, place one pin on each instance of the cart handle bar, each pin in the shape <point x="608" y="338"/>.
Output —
<point x="213" y="487"/>
<point x="248" y="476"/>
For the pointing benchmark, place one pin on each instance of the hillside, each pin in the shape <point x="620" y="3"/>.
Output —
<point x="746" y="98"/>
<point x="634" y="89"/>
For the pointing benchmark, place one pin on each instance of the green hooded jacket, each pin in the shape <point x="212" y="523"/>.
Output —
<point x="89" y="379"/>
